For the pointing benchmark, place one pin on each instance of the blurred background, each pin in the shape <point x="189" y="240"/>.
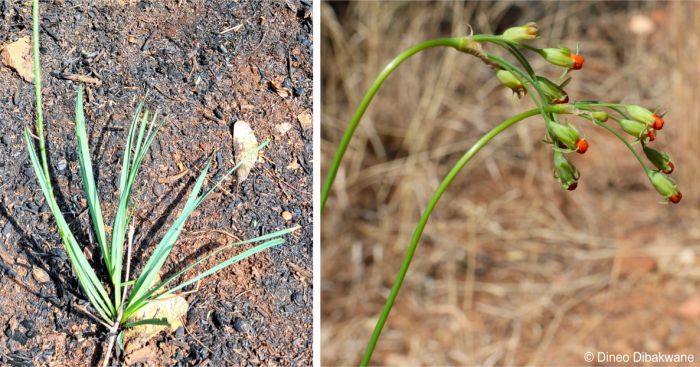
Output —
<point x="512" y="270"/>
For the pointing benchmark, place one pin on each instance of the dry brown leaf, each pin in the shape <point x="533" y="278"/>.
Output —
<point x="244" y="142"/>
<point x="171" y="307"/>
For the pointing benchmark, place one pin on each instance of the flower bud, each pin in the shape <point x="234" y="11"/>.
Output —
<point x="525" y="32"/>
<point x="554" y="92"/>
<point x="665" y="186"/>
<point x="509" y="80"/>
<point x="562" y="56"/>
<point x="566" y="136"/>
<point x="565" y="172"/>
<point x="600" y="116"/>
<point x="641" y="114"/>
<point x="637" y="129"/>
<point x="660" y="160"/>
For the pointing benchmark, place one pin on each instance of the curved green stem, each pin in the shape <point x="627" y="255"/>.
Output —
<point x="485" y="139"/>
<point x="456" y="42"/>
<point x="622" y="139"/>
<point x="37" y="90"/>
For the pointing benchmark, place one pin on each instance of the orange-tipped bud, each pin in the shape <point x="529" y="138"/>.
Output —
<point x="581" y="146"/>
<point x="565" y="172"/>
<point x="578" y="61"/>
<point x="665" y="186"/>
<point x="670" y="168"/>
<point x="660" y="160"/>
<point x="658" y="122"/>
<point x="675" y="198"/>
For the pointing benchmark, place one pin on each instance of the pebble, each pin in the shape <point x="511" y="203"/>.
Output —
<point x="242" y="326"/>
<point x="158" y="190"/>
<point x="6" y="229"/>
<point x="61" y="166"/>
<point x="180" y="332"/>
<point x="298" y="91"/>
<point x="40" y="275"/>
<point x="218" y="113"/>
<point x="287" y="215"/>
<point x="28" y="171"/>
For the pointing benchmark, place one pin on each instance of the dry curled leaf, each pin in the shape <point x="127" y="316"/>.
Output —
<point x="244" y="142"/>
<point x="172" y="307"/>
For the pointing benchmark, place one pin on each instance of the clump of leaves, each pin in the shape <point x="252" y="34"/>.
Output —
<point x="114" y="305"/>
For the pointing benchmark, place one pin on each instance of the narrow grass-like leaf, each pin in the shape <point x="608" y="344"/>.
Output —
<point x="139" y="303"/>
<point x="162" y="322"/>
<point x="121" y="218"/>
<point x="86" y="275"/>
<point x="160" y="255"/>
<point x="155" y="262"/>
<point x="91" y="194"/>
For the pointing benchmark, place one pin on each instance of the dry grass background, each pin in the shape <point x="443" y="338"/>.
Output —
<point x="511" y="270"/>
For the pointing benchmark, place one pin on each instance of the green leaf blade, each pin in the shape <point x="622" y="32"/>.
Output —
<point x="88" y="179"/>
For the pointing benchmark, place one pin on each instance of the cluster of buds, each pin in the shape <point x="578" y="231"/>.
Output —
<point x="638" y="121"/>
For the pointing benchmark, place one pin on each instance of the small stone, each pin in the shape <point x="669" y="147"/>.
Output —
<point x="61" y="166"/>
<point x="28" y="171"/>
<point x="287" y="215"/>
<point x="306" y="120"/>
<point x="40" y="275"/>
<point x="20" y="337"/>
<point x="242" y="326"/>
<point x="180" y="332"/>
<point x="284" y="127"/>
<point x="218" y="113"/>
<point x="18" y="57"/>
<point x="298" y="91"/>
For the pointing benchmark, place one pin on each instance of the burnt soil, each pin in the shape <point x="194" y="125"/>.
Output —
<point x="206" y="66"/>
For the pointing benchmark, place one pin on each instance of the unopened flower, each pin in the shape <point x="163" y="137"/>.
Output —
<point x="565" y="172"/>
<point x="640" y="113"/>
<point x="525" y="32"/>
<point x="509" y="80"/>
<point x="660" y="160"/>
<point x="665" y="186"/>
<point x="555" y="93"/>
<point x="600" y="116"/>
<point x="637" y="129"/>
<point x="562" y="56"/>
<point x="566" y="136"/>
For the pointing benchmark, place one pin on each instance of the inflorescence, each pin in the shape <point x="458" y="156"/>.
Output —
<point x="642" y="124"/>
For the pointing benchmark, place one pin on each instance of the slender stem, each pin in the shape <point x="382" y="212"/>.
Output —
<point x="622" y="139"/>
<point x="456" y="42"/>
<point x="37" y="91"/>
<point x="485" y="139"/>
